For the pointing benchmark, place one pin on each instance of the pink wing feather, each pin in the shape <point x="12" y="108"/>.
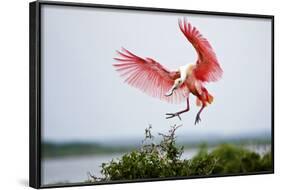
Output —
<point x="207" y="67"/>
<point x="148" y="76"/>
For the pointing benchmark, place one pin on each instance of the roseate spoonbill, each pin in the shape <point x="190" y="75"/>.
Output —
<point x="174" y="86"/>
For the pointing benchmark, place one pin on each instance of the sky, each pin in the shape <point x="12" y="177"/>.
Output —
<point x="84" y="99"/>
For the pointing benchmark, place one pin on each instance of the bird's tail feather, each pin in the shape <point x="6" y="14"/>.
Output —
<point x="209" y="99"/>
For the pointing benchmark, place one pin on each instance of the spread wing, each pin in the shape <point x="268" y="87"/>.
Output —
<point x="207" y="67"/>
<point x="149" y="76"/>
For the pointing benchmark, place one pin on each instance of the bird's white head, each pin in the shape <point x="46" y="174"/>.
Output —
<point x="185" y="71"/>
<point x="177" y="83"/>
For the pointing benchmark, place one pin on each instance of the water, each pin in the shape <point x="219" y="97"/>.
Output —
<point x="75" y="169"/>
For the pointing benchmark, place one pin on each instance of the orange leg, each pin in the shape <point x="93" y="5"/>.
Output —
<point x="171" y="115"/>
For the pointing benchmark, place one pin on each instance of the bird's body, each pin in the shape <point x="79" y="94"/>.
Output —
<point x="194" y="86"/>
<point x="174" y="86"/>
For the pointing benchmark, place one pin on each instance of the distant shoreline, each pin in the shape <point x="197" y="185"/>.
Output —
<point x="77" y="149"/>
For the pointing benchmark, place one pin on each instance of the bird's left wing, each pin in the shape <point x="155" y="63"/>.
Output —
<point x="149" y="76"/>
<point x="207" y="67"/>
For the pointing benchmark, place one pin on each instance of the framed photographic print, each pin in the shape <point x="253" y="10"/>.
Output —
<point x="124" y="94"/>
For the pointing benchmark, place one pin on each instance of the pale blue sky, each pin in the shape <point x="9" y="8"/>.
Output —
<point x="85" y="99"/>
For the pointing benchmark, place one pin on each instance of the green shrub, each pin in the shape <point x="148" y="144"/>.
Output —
<point x="156" y="160"/>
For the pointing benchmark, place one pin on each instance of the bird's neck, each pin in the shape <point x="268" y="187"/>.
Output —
<point x="185" y="71"/>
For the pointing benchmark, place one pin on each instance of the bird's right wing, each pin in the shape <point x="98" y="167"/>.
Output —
<point x="149" y="76"/>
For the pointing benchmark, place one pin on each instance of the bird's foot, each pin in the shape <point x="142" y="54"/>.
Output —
<point x="197" y="119"/>
<point x="171" y="115"/>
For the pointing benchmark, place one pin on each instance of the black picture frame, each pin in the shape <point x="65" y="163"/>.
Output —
<point x="35" y="88"/>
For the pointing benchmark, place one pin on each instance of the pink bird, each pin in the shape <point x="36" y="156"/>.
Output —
<point x="155" y="80"/>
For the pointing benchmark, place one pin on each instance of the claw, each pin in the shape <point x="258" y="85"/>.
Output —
<point x="197" y="119"/>
<point x="171" y="115"/>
